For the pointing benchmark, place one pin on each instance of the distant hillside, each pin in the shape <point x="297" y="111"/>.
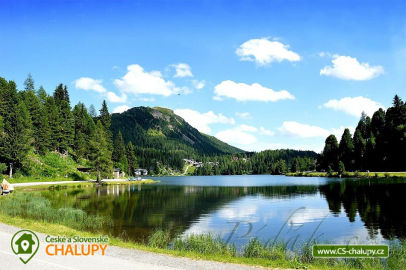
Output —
<point x="160" y="135"/>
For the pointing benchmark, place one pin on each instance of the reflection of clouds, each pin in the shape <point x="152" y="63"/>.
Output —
<point x="360" y="235"/>
<point x="307" y="215"/>
<point x="238" y="213"/>
<point x="207" y="225"/>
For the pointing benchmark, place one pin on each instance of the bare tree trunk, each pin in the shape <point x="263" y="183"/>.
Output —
<point x="11" y="170"/>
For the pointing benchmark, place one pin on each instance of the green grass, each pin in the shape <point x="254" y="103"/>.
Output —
<point x="34" y="206"/>
<point x="349" y="174"/>
<point x="210" y="246"/>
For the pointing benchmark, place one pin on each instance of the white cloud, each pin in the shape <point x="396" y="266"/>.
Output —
<point x="267" y="132"/>
<point x="248" y="128"/>
<point x="299" y="130"/>
<point x="147" y="99"/>
<point x="244" y="115"/>
<point x="295" y="129"/>
<point x="246" y="92"/>
<point x="87" y="83"/>
<point x="113" y="97"/>
<point x="201" y="121"/>
<point x="121" y="109"/>
<point x="236" y="136"/>
<point x="307" y="215"/>
<point x="353" y="105"/>
<point x="199" y="84"/>
<point x="234" y="213"/>
<point x="137" y="81"/>
<point x="348" y="68"/>
<point x="242" y="135"/>
<point x="264" y="51"/>
<point x="182" y="70"/>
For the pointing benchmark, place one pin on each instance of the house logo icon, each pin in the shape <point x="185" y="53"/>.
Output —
<point x="25" y="244"/>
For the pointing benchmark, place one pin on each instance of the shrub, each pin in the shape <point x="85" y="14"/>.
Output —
<point x="3" y="168"/>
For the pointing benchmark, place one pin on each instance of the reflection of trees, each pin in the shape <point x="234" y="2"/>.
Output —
<point x="170" y="207"/>
<point x="380" y="204"/>
<point x="139" y="210"/>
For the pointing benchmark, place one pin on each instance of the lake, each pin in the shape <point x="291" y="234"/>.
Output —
<point x="273" y="208"/>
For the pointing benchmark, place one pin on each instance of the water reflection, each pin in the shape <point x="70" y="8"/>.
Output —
<point x="333" y="210"/>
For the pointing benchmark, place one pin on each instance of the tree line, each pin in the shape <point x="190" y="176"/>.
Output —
<point x="264" y="162"/>
<point x="378" y="143"/>
<point x="33" y="121"/>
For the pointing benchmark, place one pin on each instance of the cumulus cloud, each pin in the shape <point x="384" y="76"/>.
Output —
<point x="90" y="84"/>
<point x="299" y="130"/>
<point x="246" y="92"/>
<point x="113" y="97"/>
<point x="182" y="70"/>
<point x="242" y="134"/>
<point x="264" y="51"/>
<point x="267" y="132"/>
<point x="87" y="83"/>
<point x="121" y="109"/>
<point x="237" y="136"/>
<point x="348" y="68"/>
<point x="353" y="105"/>
<point x="295" y="129"/>
<point x="137" y="81"/>
<point x="199" y="84"/>
<point x="202" y="121"/>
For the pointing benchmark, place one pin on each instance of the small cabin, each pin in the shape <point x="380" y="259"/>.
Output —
<point x="117" y="173"/>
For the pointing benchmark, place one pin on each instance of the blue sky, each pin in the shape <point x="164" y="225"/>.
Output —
<point x="257" y="74"/>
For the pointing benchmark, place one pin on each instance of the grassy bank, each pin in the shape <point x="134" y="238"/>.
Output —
<point x="350" y="174"/>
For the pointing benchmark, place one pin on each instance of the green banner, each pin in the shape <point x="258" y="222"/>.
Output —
<point x="350" y="251"/>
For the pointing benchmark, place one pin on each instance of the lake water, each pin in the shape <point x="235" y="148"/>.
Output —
<point x="289" y="209"/>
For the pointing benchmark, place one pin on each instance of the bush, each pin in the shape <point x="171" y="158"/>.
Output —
<point x="3" y="168"/>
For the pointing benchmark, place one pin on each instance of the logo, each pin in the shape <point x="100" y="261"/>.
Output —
<point x="25" y="244"/>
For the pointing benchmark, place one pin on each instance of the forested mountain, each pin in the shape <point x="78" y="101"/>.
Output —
<point x="159" y="135"/>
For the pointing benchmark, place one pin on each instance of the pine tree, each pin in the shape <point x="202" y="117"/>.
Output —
<point x="346" y="149"/>
<point x="34" y="107"/>
<point x="101" y="155"/>
<point x="329" y="156"/>
<point x="92" y="111"/>
<point x="119" y="153"/>
<point x="42" y="95"/>
<point x="132" y="160"/>
<point x="105" y="119"/>
<point x="29" y="83"/>
<point x="53" y="123"/>
<point x="359" y="150"/>
<point x="43" y="141"/>
<point x="15" y="140"/>
<point x="65" y="134"/>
